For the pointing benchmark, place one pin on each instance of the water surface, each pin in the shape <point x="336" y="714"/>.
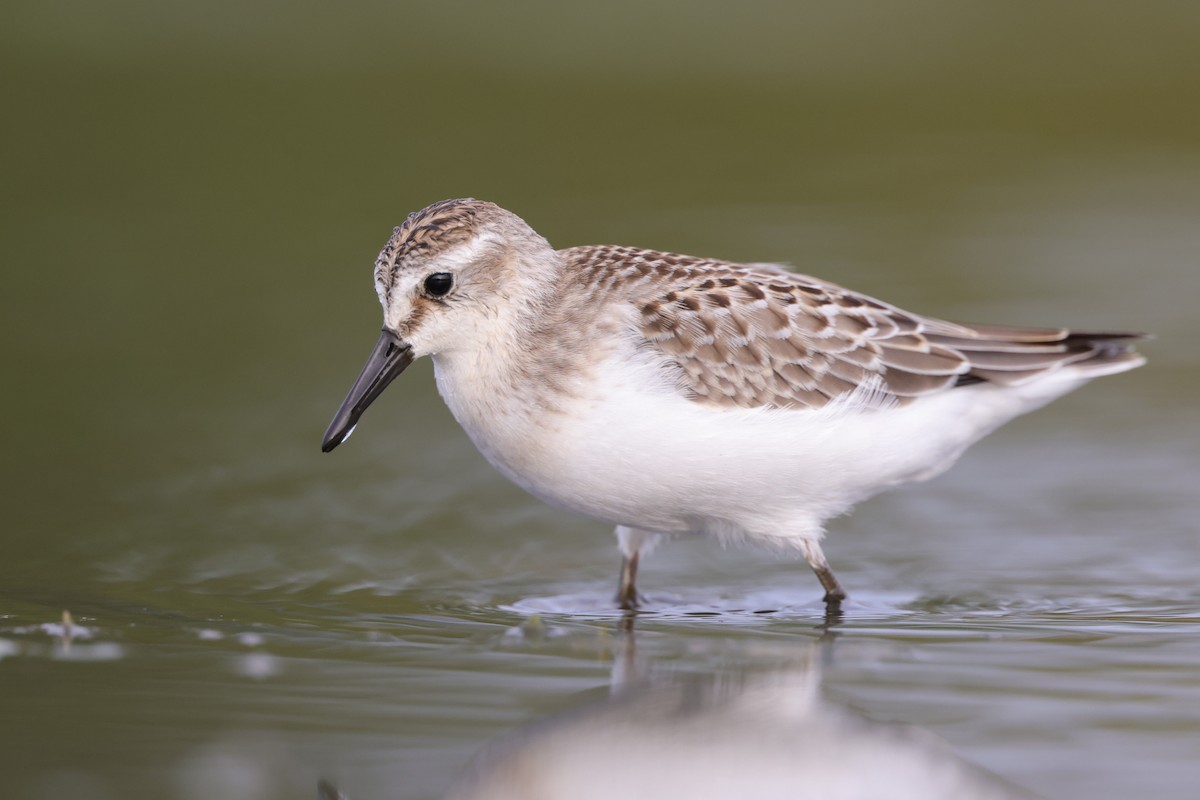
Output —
<point x="192" y="200"/>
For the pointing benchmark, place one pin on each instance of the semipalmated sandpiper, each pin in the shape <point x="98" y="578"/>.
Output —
<point x="670" y="395"/>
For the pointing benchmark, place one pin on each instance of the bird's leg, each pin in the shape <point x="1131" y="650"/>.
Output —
<point x="834" y="593"/>
<point x="632" y="542"/>
<point x="627" y="596"/>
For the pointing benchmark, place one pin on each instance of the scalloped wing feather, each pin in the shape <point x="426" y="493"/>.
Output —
<point x="754" y="336"/>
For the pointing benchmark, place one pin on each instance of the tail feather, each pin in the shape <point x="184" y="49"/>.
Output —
<point x="1013" y="356"/>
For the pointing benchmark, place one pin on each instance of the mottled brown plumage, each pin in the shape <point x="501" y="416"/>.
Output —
<point x="756" y="336"/>
<point x="626" y="384"/>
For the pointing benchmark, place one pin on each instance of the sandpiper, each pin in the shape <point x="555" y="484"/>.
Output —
<point x="671" y="395"/>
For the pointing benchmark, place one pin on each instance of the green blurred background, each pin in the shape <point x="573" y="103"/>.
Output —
<point x="192" y="198"/>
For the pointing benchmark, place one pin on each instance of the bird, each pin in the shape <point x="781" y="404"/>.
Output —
<point x="671" y="395"/>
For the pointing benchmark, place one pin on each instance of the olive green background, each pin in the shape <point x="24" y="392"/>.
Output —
<point x="193" y="195"/>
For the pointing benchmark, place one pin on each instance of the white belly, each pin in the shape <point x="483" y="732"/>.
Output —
<point x="633" y="452"/>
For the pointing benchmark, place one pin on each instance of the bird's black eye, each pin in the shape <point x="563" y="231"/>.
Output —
<point x="439" y="283"/>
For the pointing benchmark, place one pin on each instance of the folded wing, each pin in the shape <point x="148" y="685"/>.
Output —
<point x="758" y="338"/>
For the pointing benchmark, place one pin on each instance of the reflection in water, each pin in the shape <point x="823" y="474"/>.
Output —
<point x="327" y="791"/>
<point x="762" y="735"/>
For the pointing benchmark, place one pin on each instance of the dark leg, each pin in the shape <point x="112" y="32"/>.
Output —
<point x="834" y="593"/>
<point x="627" y="596"/>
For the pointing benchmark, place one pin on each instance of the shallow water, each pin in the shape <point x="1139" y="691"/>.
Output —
<point x="192" y="204"/>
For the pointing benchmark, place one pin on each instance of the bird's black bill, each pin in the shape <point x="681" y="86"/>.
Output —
<point x="387" y="360"/>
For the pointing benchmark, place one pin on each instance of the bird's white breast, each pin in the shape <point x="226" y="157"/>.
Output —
<point x="627" y="447"/>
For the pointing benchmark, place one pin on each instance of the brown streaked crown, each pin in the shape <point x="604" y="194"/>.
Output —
<point x="430" y="230"/>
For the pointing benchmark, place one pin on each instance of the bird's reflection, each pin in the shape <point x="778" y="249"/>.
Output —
<point x="745" y="735"/>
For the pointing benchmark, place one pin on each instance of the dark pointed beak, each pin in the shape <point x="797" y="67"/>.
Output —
<point x="387" y="360"/>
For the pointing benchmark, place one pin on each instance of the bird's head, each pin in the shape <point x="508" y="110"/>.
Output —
<point x="452" y="278"/>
